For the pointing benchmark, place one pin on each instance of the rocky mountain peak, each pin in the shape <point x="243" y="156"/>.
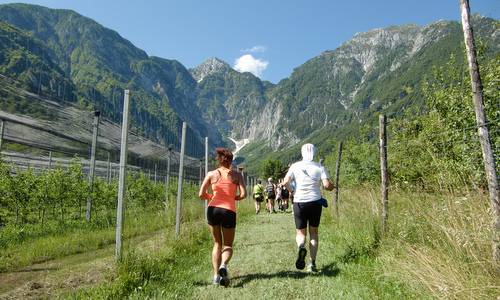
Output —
<point x="210" y="66"/>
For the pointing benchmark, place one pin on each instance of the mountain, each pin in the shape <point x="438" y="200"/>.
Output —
<point x="377" y="71"/>
<point x="210" y="66"/>
<point x="229" y="100"/>
<point x="73" y="58"/>
<point x="100" y="64"/>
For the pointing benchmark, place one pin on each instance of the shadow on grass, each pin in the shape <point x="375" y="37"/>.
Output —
<point x="267" y="243"/>
<point x="35" y="269"/>
<point x="330" y="270"/>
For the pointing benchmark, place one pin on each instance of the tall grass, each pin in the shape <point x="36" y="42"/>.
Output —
<point x="443" y="242"/>
<point x="438" y="243"/>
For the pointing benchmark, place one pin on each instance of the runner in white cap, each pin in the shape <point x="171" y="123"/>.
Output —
<point x="307" y="176"/>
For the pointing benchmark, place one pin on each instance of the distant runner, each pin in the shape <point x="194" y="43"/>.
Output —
<point x="221" y="213"/>
<point x="258" y="195"/>
<point x="307" y="176"/>
<point x="285" y="196"/>
<point x="270" y="195"/>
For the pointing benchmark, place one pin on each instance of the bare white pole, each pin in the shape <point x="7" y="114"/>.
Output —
<point x="167" y="180"/>
<point x="206" y="172"/>
<point x="95" y="132"/>
<point x="180" y="182"/>
<point x="1" y="133"/>
<point x="108" y="172"/>
<point x="156" y="167"/>
<point x="121" y="181"/>
<point x="50" y="160"/>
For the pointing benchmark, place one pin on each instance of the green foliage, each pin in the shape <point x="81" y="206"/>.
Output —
<point x="44" y="213"/>
<point x="37" y="204"/>
<point x="272" y="169"/>
<point x="441" y="148"/>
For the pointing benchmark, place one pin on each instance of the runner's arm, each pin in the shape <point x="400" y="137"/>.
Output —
<point x="243" y="188"/>
<point x="287" y="180"/>
<point x="327" y="184"/>
<point x="204" y="187"/>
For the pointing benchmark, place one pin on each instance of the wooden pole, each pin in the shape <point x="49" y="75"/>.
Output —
<point x="122" y="176"/>
<point x="180" y="182"/>
<point x="383" y="169"/>
<point x="337" y="175"/>
<point x="2" y="129"/>
<point x="206" y="173"/>
<point x="482" y="129"/>
<point x="95" y="132"/>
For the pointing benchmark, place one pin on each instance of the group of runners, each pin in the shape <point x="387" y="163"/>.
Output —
<point x="272" y="194"/>
<point x="303" y="181"/>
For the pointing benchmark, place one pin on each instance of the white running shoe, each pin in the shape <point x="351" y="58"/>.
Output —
<point x="311" y="268"/>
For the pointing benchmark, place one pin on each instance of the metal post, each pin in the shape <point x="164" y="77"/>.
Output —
<point x="50" y="160"/>
<point x="108" y="173"/>
<point x="337" y="175"/>
<point x="206" y="173"/>
<point x="180" y="182"/>
<point x="383" y="169"/>
<point x="156" y="166"/>
<point x="121" y="181"/>
<point x="247" y="186"/>
<point x="200" y="177"/>
<point x="167" y="180"/>
<point x="2" y="123"/>
<point x="40" y="82"/>
<point x="95" y="126"/>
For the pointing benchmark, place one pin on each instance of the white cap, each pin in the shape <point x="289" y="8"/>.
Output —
<point x="308" y="151"/>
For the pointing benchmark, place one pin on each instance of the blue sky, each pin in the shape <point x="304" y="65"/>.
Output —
<point x="270" y="37"/>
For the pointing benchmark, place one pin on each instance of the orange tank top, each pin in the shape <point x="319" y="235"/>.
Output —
<point x="224" y="194"/>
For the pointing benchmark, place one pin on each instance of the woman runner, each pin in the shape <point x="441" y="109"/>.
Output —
<point x="221" y="212"/>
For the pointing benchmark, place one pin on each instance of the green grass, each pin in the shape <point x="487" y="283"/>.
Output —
<point x="74" y="241"/>
<point x="437" y="246"/>
<point x="262" y="265"/>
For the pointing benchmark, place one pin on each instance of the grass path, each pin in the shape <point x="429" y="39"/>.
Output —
<point x="51" y="278"/>
<point x="263" y="266"/>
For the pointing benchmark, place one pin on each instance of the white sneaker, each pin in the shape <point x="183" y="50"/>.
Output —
<point x="216" y="280"/>
<point x="311" y="267"/>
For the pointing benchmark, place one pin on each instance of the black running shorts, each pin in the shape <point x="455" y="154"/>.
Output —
<point x="259" y="198"/>
<point x="221" y="216"/>
<point x="307" y="213"/>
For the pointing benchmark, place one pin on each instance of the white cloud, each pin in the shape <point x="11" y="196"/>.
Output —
<point x="248" y="63"/>
<point x="258" y="48"/>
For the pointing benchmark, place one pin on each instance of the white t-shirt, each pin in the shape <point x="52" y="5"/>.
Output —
<point x="307" y="176"/>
